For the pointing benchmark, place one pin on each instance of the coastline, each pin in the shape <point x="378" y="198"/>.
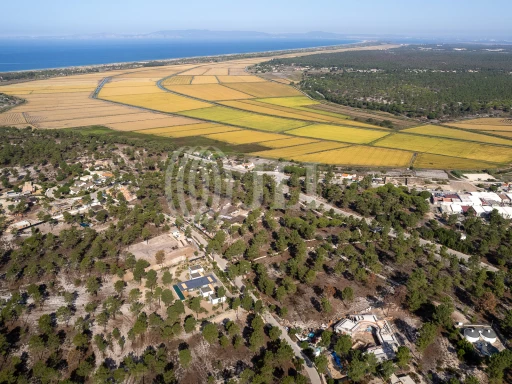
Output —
<point x="170" y="61"/>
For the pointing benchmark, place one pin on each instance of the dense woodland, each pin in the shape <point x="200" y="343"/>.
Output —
<point x="307" y="249"/>
<point x="417" y="81"/>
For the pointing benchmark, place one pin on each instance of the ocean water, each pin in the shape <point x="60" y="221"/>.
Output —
<point x="21" y="54"/>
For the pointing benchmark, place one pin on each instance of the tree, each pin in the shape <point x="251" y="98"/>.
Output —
<point x="167" y="278"/>
<point x="190" y="324"/>
<point x="343" y="345"/>
<point x="326" y="305"/>
<point x="159" y="257"/>
<point x="185" y="357"/>
<point x="357" y="370"/>
<point x="403" y="357"/>
<point x="427" y="335"/>
<point x="321" y="363"/>
<point x="347" y="294"/>
<point x="151" y="279"/>
<point x="274" y="333"/>
<point x="221" y="292"/>
<point x="92" y="285"/>
<point x="63" y="314"/>
<point x="167" y="297"/>
<point x="210" y="333"/>
<point x="195" y="305"/>
<point x="442" y="313"/>
<point x="119" y="286"/>
<point x="387" y="368"/>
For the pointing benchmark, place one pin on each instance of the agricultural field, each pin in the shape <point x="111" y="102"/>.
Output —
<point x="265" y="89"/>
<point x="337" y="133"/>
<point x="187" y="132"/>
<point x="246" y="137"/>
<point x="244" y="119"/>
<point x="209" y="92"/>
<point x="158" y="101"/>
<point x="438" y="131"/>
<point x="448" y="147"/>
<point x="177" y="80"/>
<point x="218" y="71"/>
<point x="296" y="101"/>
<point x="427" y="160"/>
<point x="12" y="118"/>
<point x="167" y="121"/>
<point x="360" y="156"/>
<point x="486" y="124"/>
<point x="294" y="151"/>
<point x="289" y="142"/>
<point x="176" y="128"/>
<point x="239" y="79"/>
<point x="204" y="80"/>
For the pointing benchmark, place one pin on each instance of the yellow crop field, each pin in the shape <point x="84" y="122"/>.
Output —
<point x="12" y="118"/>
<point x="240" y="79"/>
<point x="489" y="121"/>
<point x="176" y="128"/>
<point x="265" y="89"/>
<point x="159" y="101"/>
<point x="258" y="108"/>
<point x="427" y="160"/>
<point x="502" y="133"/>
<point x="238" y="72"/>
<point x="289" y="142"/>
<point x="360" y="155"/>
<point x="297" y="101"/>
<point x="483" y="127"/>
<point x="246" y="137"/>
<point x="101" y="120"/>
<point x="177" y="80"/>
<point x="244" y="119"/>
<point x="435" y="130"/>
<point x="199" y="132"/>
<point x="107" y="91"/>
<point x="221" y="71"/>
<point x="336" y="133"/>
<point x="298" y="150"/>
<point x="204" y="80"/>
<point x="211" y="92"/>
<point x="448" y="147"/>
<point x="153" y="123"/>
<point x="84" y="113"/>
<point x="198" y="71"/>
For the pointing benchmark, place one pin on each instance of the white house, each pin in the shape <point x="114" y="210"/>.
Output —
<point x="214" y="299"/>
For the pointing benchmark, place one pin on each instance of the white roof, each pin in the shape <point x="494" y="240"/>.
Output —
<point x="487" y="209"/>
<point x="456" y="208"/>
<point x="345" y="324"/>
<point x="509" y="195"/>
<point x="487" y="195"/>
<point x="479" y="209"/>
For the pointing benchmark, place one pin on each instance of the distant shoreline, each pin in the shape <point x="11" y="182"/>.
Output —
<point x="223" y="56"/>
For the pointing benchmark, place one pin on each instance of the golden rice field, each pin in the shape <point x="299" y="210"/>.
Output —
<point x="12" y="118"/>
<point x="337" y="133"/>
<point x="298" y="150"/>
<point x="159" y="101"/>
<point x="179" y="127"/>
<point x="219" y="100"/>
<point x="360" y="155"/>
<point x="448" y="147"/>
<point x="209" y="92"/>
<point x="259" y="108"/>
<point x="177" y="80"/>
<point x="244" y="119"/>
<point x="485" y="124"/>
<point x="435" y="130"/>
<point x="265" y="89"/>
<point x="200" y="132"/>
<point x="239" y="79"/>
<point x="246" y="137"/>
<point x="205" y="80"/>
<point x="297" y="101"/>
<point x="427" y="160"/>
<point x="282" y="143"/>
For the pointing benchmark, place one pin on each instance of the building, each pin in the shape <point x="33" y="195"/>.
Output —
<point x="214" y="299"/>
<point x="28" y="188"/>
<point x="206" y="291"/>
<point x="196" y="269"/>
<point x="484" y="339"/>
<point x="195" y="284"/>
<point x="405" y="379"/>
<point x="387" y="344"/>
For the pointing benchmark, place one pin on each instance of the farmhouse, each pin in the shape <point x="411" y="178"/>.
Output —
<point x="197" y="283"/>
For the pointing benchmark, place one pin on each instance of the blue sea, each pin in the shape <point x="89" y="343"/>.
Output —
<point x="21" y="54"/>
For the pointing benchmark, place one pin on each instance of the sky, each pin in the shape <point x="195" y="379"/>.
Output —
<point x="455" y="18"/>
